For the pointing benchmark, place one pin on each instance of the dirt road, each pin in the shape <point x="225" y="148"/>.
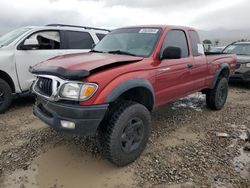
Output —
<point x="184" y="149"/>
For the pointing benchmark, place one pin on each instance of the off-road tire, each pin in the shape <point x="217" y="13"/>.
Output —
<point x="111" y="132"/>
<point x="5" y="96"/>
<point x="216" y="98"/>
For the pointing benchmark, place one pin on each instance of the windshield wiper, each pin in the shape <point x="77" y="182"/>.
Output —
<point x="121" y="52"/>
<point x="96" y="51"/>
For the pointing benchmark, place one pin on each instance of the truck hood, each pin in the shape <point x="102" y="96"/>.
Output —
<point x="243" y="59"/>
<point x="78" y="66"/>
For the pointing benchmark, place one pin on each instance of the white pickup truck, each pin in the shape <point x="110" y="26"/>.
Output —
<point x="28" y="46"/>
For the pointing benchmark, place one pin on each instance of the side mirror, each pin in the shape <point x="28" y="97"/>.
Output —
<point x="171" y="53"/>
<point x="30" y="44"/>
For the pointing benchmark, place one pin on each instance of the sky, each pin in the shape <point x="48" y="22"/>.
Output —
<point x="203" y="15"/>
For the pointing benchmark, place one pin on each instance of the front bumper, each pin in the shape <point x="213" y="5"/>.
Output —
<point x="242" y="73"/>
<point x="86" y="118"/>
<point x="241" y="76"/>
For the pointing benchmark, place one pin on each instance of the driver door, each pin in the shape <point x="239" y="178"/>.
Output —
<point x="172" y="78"/>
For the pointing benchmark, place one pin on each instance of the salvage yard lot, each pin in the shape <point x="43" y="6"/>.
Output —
<point x="184" y="150"/>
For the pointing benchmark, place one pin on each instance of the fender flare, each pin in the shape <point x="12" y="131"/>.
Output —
<point x="223" y="66"/>
<point x="127" y="85"/>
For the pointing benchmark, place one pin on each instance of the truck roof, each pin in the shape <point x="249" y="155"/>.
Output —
<point x="245" y="42"/>
<point x="69" y="27"/>
<point x="55" y="26"/>
<point x="160" y="26"/>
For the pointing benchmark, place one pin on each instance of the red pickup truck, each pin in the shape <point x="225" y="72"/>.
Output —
<point x="112" y="89"/>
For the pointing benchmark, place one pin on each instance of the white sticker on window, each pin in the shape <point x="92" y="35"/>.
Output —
<point x="200" y="49"/>
<point x="149" y="31"/>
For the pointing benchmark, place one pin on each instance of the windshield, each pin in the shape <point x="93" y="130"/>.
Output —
<point x="239" y="49"/>
<point x="8" y="38"/>
<point x="130" y="41"/>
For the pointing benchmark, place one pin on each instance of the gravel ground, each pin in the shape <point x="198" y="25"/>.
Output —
<point x="184" y="149"/>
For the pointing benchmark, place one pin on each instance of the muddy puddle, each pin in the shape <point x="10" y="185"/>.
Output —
<point x="195" y="102"/>
<point x="22" y="179"/>
<point x="242" y="161"/>
<point x="242" y="164"/>
<point x="66" y="166"/>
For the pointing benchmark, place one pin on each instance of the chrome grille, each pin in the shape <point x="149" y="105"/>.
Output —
<point x="44" y="86"/>
<point x="48" y="86"/>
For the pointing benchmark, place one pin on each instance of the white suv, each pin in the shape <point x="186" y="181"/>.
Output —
<point x="28" y="46"/>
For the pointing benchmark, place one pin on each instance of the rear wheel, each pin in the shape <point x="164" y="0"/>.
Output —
<point x="216" y="98"/>
<point x="125" y="134"/>
<point x="5" y="96"/>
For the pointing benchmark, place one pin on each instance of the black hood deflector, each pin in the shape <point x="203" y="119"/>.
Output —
<point x="74" y="74"/>
<point x="60" y="72"/>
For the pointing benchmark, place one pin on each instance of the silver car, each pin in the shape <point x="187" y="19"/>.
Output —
<point x="242" y="50"/>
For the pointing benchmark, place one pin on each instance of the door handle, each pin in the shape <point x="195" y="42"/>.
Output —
<point x="189" y="65"/>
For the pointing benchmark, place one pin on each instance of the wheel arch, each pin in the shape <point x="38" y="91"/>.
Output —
<point x="138" y="90"/>
<point x="5" y="76"/>
<point x="224" y="71"/>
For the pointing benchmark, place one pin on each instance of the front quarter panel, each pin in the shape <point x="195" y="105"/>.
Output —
<point x="7" y="65"/>
<point x="107" y="86"/>
<point x="127" y="85"/>
<point x="109" y="94"/>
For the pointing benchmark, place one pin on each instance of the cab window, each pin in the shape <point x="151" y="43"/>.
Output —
<point x="79" y="40"/>
<point x="176" y="38"/>
<point x="47" y="40"/>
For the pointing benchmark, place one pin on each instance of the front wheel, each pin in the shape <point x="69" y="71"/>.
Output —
<point x="216" y="98"/>
<point x="126" y="133"/>
<point x="5" y="96"/>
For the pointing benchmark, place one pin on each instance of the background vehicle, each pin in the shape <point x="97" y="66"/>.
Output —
<point x="113" y="89"/>
<point x="242" y="50"/>
<point x="216" y="49"/>
<point x="28" y="46"/>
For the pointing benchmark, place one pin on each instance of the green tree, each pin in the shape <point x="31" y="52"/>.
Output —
<point x="207" y="41"/>
<point x="243" y="40"/>
<point x="216" y="42"/>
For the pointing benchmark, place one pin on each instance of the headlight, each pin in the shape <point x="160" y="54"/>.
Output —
<point x="77" y="91"/>
<point x="248" y="65"/>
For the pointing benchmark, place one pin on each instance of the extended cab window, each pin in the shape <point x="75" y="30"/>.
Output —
<point x="79" y="40"/>
<point x="197" y="48"/>
<point x="176" y="38"/>
<point x="47" y="40"/>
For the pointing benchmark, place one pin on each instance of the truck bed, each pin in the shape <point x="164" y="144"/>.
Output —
<point x="215" y="60"/>
<point x="214" y="53"/>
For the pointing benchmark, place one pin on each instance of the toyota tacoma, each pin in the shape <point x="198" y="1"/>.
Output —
<point x="110" y="91"/>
